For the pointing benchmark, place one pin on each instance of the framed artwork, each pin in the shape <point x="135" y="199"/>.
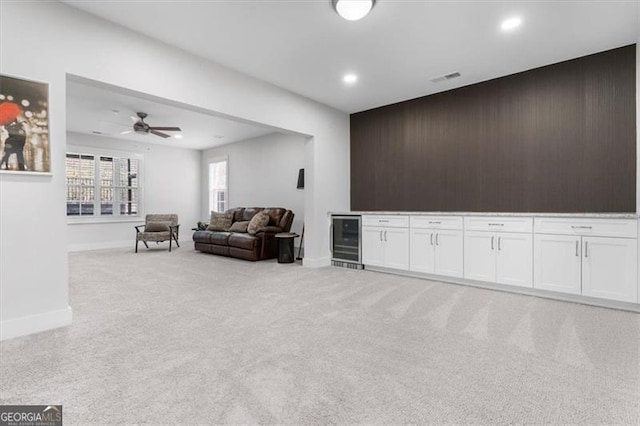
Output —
<point x="24" y="126"/>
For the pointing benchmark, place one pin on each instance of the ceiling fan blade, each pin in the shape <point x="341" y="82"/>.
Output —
<point x="163" y="135"/>
<point x="172" y="129"/>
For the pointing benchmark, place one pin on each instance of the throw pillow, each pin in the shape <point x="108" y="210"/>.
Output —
<point x="259" y="221"/>
<point x="220" y="221"/>
<point x="157" y="227"/>
<point x="239" y="226"/>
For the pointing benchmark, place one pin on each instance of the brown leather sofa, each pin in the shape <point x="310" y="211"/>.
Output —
<point x="262" y="245"/>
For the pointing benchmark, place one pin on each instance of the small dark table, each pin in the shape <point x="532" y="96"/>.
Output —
<point x="285" y="246"/>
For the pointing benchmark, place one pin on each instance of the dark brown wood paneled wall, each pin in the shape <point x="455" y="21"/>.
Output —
<point x="560" y="138"/>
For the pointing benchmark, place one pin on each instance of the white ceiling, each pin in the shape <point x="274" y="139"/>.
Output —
<point x="305" y="47"/>
<point x="90" y="109"/>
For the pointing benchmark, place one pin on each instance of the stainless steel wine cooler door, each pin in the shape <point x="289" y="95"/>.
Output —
<point x="345" y="239"/>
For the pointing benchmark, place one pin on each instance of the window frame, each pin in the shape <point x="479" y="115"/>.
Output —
<point x="210" y="202"/>
<point x="98" y="217"/>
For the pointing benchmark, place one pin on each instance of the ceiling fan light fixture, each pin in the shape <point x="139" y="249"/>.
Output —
<point x="353" y="10"/>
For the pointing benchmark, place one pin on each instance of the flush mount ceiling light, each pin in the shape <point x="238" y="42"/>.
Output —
<point x="511" y="23"/>
<point x="352" y="10"/>
<point x="350" y="78"/>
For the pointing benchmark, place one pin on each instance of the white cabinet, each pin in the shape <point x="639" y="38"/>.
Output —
<point x="502" y="257"/>
<point x="479" y="256"/>
<point x="514" y="259"/>
<point x="609" y="268"/>
<point x="499" y="249"/>
<point x="372" y="246"/>
<point x="385" y="241"/>
<point x="558" y="263"/>
<point x="436" y="251"/>
<point x="592" y="266"/>
<point x="576" y="262"/>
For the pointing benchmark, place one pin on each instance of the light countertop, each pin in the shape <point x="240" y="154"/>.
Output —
<point x="567" y="215"/>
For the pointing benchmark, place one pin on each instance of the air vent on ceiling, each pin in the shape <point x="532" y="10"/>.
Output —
<point x="445" y="77"/>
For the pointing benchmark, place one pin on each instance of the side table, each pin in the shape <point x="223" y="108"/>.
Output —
<point x="285" y="246"/>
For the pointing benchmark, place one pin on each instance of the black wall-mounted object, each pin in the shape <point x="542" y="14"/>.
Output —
<point x="300" y="179"/>
<point x="556" y="139"/>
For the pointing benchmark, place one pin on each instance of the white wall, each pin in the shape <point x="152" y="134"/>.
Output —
<point x="263" y="172"/>
<point x="171" y="185"/>
<point x="59" y="40"/>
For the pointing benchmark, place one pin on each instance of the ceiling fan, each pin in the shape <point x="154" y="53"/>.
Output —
<point x="139" y="126"/>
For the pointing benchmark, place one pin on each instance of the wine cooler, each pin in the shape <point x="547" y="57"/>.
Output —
<point x="345" y="241"/>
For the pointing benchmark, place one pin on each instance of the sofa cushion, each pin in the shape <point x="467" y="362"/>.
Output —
<point x="275" y="215"/>
<point x="219" y="238"/>
<point x="209" y="237"/>
<point x="250" y="212"/>
<point x="237" y="213"/>
<point x="243" y="241"/>
<point x="220" y="221"/>
<point x="157" y="227"/>
<point x="258" y="222"/>
<point x="239" y="226"/>
<point x="286" y="221"/>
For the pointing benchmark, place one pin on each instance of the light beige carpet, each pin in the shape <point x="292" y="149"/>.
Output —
<point x="184" y="337"/>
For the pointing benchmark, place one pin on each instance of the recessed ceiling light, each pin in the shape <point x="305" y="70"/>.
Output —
<point x="511" y="23"/>
<point x="350" y="78"/>
<point x="177" y="136"/>
<point x="353" y="10"/>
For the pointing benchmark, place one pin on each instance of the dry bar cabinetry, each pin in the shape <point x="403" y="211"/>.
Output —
<point x="499" y="250"/>
<point x="594" y="256"/>
<point x="385" y="241"/>
<point x="591" y="257"/>
<point x="436" y="245"/>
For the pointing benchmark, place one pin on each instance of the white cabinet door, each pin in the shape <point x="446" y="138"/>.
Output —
<point x="421" y="249"/>
<point x="372" y="246"/>
<point x="557" y="263"/>
<point x="514" y="262"/>
<point x="449" y="253"/>
<point x="396" y="248"/>
<point x="479" y="256"/>
<point x="609" y="268"/>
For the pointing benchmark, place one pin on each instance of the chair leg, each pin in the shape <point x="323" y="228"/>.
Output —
<point x="136" y="245"/>
<point x="145" y="244"/>
<point x="169" y="244"/>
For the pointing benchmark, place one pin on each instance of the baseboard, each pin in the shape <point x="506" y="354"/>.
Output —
<point x="101" y="246"/>
<point x="318" y="262"/>
<point x="117" y="244"/>
<point x="35" y="323"/>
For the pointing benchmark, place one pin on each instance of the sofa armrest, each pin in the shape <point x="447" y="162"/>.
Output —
<point x="270" y="230"/>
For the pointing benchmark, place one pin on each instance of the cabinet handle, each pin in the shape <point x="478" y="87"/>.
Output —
<point x="435" y="223"/>
<point x="383" y="221"/>
<point x="586" y="249"/>
<point x="499" y="239"/>
<point x="385" y="235"/>
<point x="496" y="224"/>
<point x="492" y="242"/>
<point x="581" y="227"/>
<point x="431" y="238"/>
<point x="437" y="243"/>
<point x="380" y="235"/>
<point x="577" y="244"/>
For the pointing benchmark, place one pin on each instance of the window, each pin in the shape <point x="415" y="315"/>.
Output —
<point x="218" y="190"/>
<point x="100" y="185"/>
